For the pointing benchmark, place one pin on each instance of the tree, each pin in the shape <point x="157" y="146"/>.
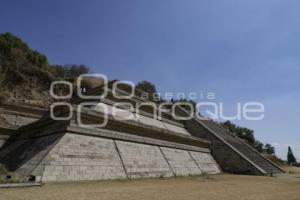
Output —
<point x="241" y="132"/>
<point x="259" y="146"/>
<point x="290" y="156"/>
<point x="146" y="86"/>
<point x="76" y="70"/>
<point x="21" y="67"/>
<point x="269" y="149"/>
<point x="248" y="135"/>
<point x="231" y="127"/>
<point x="187" y="107"/>
<point x="69" y="71"/>
<point x="20" y="64"/>
<point x="58" y="71"/>
<point x="10" y="45"/>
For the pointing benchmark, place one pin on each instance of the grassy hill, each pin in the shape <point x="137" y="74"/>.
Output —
<point x="26" y="75"/>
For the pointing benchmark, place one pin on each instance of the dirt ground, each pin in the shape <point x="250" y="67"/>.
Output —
<point x="291" y="169"/>
<point x="221" y="187"/>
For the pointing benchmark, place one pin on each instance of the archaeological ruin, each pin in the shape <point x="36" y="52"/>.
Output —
<point x="35" y="147"/>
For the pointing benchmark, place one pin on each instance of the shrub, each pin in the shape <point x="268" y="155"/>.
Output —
<point x="2" y="170"/>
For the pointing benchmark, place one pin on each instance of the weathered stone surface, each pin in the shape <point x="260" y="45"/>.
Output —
<point x="176" y="129"/>
<point x="2" y="142"/>
<point x="205" y="162"/>
<point x="13" y="116"/>
<point x="78" y="157"/>
<point x="181" y="162"/>
<point x="116" y="113"/>
<point x="125" y="115"/>
<point x="21" y="121"/>
<point x="228" y="159"/>
<point x="143" y="160"/>
<point x="150" y="121"/>
<point x="23" y="156"/>
<point x="15" y="120"/>
<point x="142" y="148"/>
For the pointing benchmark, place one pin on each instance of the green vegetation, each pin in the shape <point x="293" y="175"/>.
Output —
<point x="241" y="132"/>
<point x="2" y="170"/>
<point x="290" y="156"/>
<point x="150" y="88"/>
<point x="69" y="71"/>
<point x="146" y="86"/>
<point x="248" y="135"/>
<point x="17" y="61"/>
<point x="269" y="149"/>
<point x="23" y="69"/>
<point x="187" y="107"/>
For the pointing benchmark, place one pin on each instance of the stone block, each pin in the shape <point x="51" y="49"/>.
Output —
<point x="92" y="158"/>
<point x="205" y="162"/>
<point x="181" y="162"/>
<point x="142" y="160"/>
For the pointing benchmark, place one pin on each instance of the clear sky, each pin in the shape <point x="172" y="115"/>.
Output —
<point x="240" y="50"/>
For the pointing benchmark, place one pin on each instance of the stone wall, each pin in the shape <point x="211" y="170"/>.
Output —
<point x="15" y="120"/>
<point x="205" y="162"/>
<point x="25" y="156"/>
<point x="78" y="157"/>
<point x="2" y="143"/>
<point x="4" y="135"/>
<point x="82" y="157"/>
<point x="142" y="160"/>
<point x="14" y="116"/>
<point x="229" y="160"/>
<point x="73" y="157"/>
<point x="78" y="154"/>
<point x="181" y="162"/>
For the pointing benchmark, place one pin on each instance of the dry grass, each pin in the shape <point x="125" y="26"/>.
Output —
<point x="224" y="187"/>
<point x="291" y="169"/>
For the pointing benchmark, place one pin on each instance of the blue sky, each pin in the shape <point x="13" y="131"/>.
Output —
<point x="240" y="50"/>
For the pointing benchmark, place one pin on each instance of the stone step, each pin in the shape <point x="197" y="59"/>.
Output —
<point x="243" y="148"/>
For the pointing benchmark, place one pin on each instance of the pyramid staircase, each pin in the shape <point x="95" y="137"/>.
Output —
<point x="243" y="148"/>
